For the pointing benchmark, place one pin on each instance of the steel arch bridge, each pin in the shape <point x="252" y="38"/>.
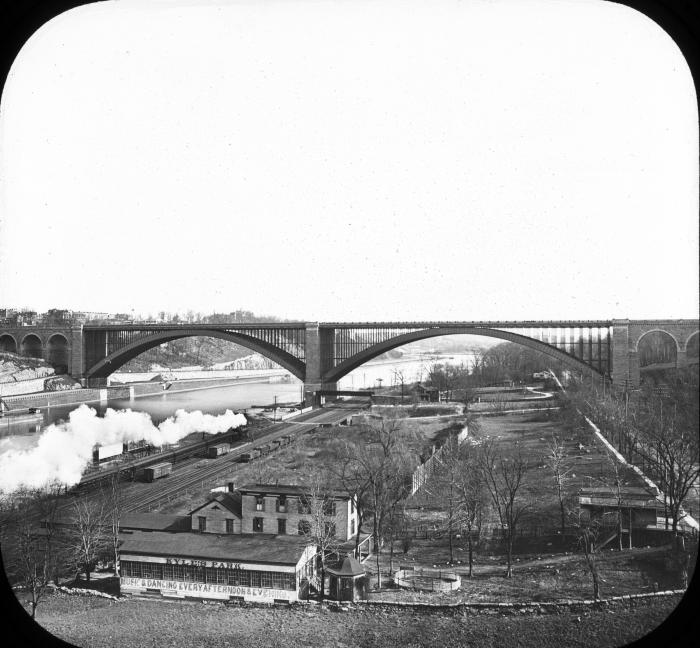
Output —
<point x="319" y="354"/>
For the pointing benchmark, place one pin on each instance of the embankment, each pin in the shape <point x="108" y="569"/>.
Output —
<point x="105" y="394"/>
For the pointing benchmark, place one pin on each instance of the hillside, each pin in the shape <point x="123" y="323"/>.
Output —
<point x="14" y="368"/>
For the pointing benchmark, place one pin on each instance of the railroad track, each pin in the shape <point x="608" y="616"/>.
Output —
<point x="191" y="477"/>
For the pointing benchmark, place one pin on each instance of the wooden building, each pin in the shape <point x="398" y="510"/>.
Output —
<point x="640" y="507"/>
<point x="247" y="567"/>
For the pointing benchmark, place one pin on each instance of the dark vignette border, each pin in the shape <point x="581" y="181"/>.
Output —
<point x="19" y="19"/>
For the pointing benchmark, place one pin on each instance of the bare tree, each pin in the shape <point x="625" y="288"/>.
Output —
<point x="113" y="508"/>
<point x="558" y="464"/>
<point x="671" y="430"/>
<point x="504" y="479"/>
<point x="615" y="480"/>
<point x="399" y="375"/>
<point x="35" y="553"/>
<point x="321" y="519"/>
<point x="445" y="483"/>
<point x="588" y="532"/>
<point x="86" y="535"/>
<point x="473" y="495"/>
<point x="354" y="481"/>
<point x="381" y="463"/>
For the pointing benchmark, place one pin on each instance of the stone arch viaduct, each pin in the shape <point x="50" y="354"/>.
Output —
<point x="319" y="354"/>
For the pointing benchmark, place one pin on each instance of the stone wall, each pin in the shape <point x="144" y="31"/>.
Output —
<point x="556" y="607"/>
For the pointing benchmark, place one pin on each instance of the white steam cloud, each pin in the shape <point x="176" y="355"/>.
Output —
<point x="65" y="449"/>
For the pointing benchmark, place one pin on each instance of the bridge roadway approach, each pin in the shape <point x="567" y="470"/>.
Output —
<point x="319" y="354"/>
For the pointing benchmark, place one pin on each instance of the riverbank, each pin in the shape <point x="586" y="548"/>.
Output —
<point x="131" y="391"/>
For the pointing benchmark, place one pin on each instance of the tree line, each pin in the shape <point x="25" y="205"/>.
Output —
<point x="42" y="538"/>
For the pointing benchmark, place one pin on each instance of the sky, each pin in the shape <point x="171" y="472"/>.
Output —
<point x="351" y="160"/>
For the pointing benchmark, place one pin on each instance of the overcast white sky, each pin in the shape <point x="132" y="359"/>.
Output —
<point x="352" y="160"/>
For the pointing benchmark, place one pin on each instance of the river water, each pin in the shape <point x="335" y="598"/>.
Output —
<point x="235" y="397"/>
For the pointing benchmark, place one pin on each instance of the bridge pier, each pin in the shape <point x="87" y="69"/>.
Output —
<point x="76" y="367"/>
<point x="625" y="361"/>
<point x="310" y="389"/>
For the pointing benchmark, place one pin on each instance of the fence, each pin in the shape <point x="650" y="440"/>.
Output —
<point x="433" y="580"/>
<point x="423" y="472"/>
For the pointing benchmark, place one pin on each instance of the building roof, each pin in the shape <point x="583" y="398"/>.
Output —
<point x="350" y="567"/>
<point x="288" y="489"/>
<point x="154" y="522"/>
<point x="230" y="501"/>
<point x="137" y="521"/>
<point x="247" y="547"/>
<point x="630" y="497"/>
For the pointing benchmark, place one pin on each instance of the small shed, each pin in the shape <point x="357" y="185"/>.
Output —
<point x="346" y="581"/>
<point x="640" y="507"/>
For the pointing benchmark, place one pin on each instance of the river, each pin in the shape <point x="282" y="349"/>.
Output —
<point x="235" y="397"/>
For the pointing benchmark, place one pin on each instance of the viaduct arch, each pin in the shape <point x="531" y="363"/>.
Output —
<point x="116" y="359"/>
<point x="320" y="354"/>
<point x="344" y="368"/>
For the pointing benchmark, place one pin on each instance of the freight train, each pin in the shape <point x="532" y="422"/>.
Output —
<point x="131" y="450"/>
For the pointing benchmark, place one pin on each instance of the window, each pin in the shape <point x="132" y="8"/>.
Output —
<point x="329" y="529"/>
<point x="352" y="527"/>
<point x="304" y="506"/>
<point x="329" y="507"/>
<point x="202" y="521"/>
<point x="281" y="526"/>
<point x="259" y="502"/>
<point x="282" y="504"/>
<point x="168" y="572"/>
<point x="266" y="579"/>
<point x="304" y="527"/>
<point x="258" y="524"/>
<point x="229" y="526"/>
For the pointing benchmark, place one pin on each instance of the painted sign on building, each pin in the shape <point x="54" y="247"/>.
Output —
<point x="205" y="590"/>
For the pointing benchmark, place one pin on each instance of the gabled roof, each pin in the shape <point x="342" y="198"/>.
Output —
<point x="288" y="489"/>
<point x="230" y="501"/>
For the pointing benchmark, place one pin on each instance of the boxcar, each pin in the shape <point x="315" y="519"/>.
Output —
<point x="286" y="439"/>
<point x="218" y="450"/>
<point x="264" y="449"/>
<point x="274" y="445"/>
<point x="250" y="455"/>
<point x="157" y="471"/>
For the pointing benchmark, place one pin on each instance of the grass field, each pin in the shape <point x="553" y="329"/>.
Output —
<point x="530" y="434"/>
<point x="140" y="624"/>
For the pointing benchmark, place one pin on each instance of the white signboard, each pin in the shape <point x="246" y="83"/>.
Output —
<point x="112" y="450"/>
<point x="205" y="590"/>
